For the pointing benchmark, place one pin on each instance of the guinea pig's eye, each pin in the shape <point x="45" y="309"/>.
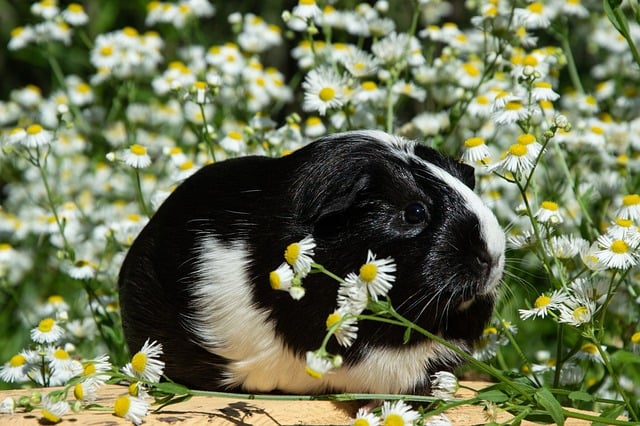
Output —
<point x="415" y="213"/>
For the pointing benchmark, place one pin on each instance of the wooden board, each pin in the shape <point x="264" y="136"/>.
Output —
<point x="227" y="411"/>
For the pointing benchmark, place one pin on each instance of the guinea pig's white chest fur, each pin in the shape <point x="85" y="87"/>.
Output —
<point x="228" y="324"/>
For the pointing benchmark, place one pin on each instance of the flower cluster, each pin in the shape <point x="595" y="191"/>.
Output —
<point x="550" y="125"/>
<point x="355" y="292"/>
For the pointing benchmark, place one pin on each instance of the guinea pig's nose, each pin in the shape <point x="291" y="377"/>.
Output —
<point x="483" y="261"/>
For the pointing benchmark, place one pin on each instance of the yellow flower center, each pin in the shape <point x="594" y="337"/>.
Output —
<point x="394" y="420"/>
<point x="49" y="416"/>
<point x="482" y="100"/>
<point x="542" y="301"/>
<point x="235" y="135"/>
<point x="526" y="139"/>
<point x="106" y="50"/>
<point x="473" y="142"/>
<point x="333" y="319"/>
<point x="75" y="8"/>
<point x="490" y="330"/>
<point x="536" y="7"/>
<point x="291" y="253"/>
<point x="274" y="280"/>
<point x="17" y="360"/>
<point x="635" y="338"/>
<point x="46" y="325"/>
<point x="631" y="200"/>
<point x="130" y="32"/>
<point x="619" y="247"/>
<point x="61" y="354"/>
<point x="368" y="272"/>
<point x="78" y="391"/>
<point x="361" y="422"/>
<point x="313" y="373"/>
<point x="307" y="2"/>
<point x="54" y="298"/>
<point x="121" y="406"/>
<point x="580" y="313"/>
<point x="589" y="348"/>
<point x="542" y="85"/>
<point x="326" y="94"/>
<point x="369" y="86"/>
<point x="34" y="129"/>
<point x="513" y="105"/>
<point x="470" y="69"/>
<point x="138" y="149"/>
<point x="200" y="85"/>
<point x="89" y="369"/>
<point x="625" y="223"/>
<point x="518" y="150"/>
<point x="314" y="121"/>
<point x="139" y="362"/>
<point x="549" y="205"/>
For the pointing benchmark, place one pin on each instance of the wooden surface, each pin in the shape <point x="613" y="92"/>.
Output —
<point x="227" y="411"/>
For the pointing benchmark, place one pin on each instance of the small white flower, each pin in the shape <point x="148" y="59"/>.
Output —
<point x="543" y="304"/>
<point x="136" y="156"/>
<point x="299" y="255"/>
<point x="53" y="410"/>
<point x="146" y="364"/>
<point x="281" y="278"/>
<point x="8" y="406"/>
<point x="398" y="413"/>
<point x="549" y="213"/>
<point x="377" y="276"/>
<point x="444" y="385"/>
<point x="131" y="408"/>
<point x="317" y="365"/>
<point x="475" y="150"/>
<point x="47" y="331"/>
<point x="616" y="253"/>
<point x="590" y="352"/>
<point x="576" y="311"/>
<point x="323" y="90"/>
<point x="15" y="370"/>
<point x="347" y="328"/>
<point x="364" y="417"/>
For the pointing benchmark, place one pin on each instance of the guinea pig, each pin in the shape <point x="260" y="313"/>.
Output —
<point x="196" y="278"/>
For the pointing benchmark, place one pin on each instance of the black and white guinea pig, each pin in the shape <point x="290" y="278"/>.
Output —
<point x="196" y="279"/>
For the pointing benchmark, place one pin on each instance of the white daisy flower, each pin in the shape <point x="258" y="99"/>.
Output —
<point x="281" y="278"/>
<point x="146" y="364"/>
<point x="136" y="156"/>
<point x="549" y="213"/>
<point x="15" y="370"/>
<point x="131" y="408"/>
<point x="377" y="276"/>
<point x="567" y="246"/>
<point x="364" y="417"/>
<point x="8" y="406"/>
<point x="347" y="328"/>
<point x="307" y="9"/>
<point x="475" y="150"/>
<point x="352" y="295"/>
<point x="444" y="385"/>
<point x="317" y="365"/>
<point x="616" y="253"/>
<point x="590" y="352"/>
<point x="64" y="367"/>
<point x="535" y="15"/>
<point x="53" y="410"/>
<point x="512" y="112"/>
<point x="47" y="331"/>
<point x="36" y="136"/>
<point x="299" y="255"/>
<point x="323" y="90"/>
<point x="398" y="413"/>
<point x="630" y="207"/>
<point x="543" y="305"/>
<point x="576" y="311"/>
<point x="75" y="15"/>
<point x="518" y="159"/>
<point x="543" y="91"/>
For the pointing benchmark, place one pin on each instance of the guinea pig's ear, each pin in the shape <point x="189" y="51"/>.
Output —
<point x="331" y="201"/>
<point x="467" y="174"/>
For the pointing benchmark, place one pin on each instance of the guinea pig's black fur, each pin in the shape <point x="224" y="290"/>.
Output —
<point x="196" y="279"/>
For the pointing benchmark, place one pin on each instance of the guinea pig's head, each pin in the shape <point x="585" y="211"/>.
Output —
<point x="368" y="190"/>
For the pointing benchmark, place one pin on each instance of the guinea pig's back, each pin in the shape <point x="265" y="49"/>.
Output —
<point x="221" y="201"/>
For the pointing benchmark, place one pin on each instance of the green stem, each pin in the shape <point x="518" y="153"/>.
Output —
<point x="140" y="196"/>
<point x="616" y="381"/>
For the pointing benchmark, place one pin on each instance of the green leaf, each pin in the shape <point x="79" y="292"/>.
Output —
<point x="580" y="396"/>
<point x="172" y="388"/>
<point x="617" y="19"/>
<point x="545" y="398"/>
<point x="625" y="357"/>
<point x="493" y="395"/>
